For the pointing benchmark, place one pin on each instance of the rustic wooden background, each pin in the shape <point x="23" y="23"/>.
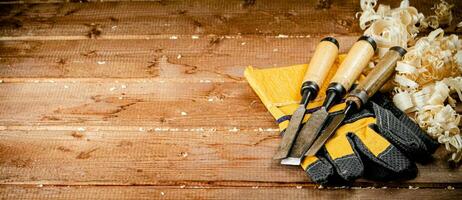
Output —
<point x="148" y="100"/>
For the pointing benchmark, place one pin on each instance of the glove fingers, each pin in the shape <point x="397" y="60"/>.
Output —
<point x="385" y="162"/>
<point x="421" y="146"/>
<point x="343" y="157"/>
<point x="399" y="133"/>
<point x="318" y="169"/>
<point x="431" y="145"/>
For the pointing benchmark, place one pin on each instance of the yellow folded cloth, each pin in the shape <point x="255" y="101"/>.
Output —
<point x="279" y="89"/>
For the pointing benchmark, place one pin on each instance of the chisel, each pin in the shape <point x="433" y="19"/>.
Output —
<point x="356" y="60"/>
<point x="324" y="57"/>
<point x="360" y="95"/>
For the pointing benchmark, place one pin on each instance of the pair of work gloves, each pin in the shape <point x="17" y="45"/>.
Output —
<point x="379" y="142"/>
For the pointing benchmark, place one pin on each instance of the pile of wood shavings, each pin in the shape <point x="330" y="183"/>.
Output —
<point x="389" y="27"/>
<point x="429" y="73"/>
<point x="426" y="77"/>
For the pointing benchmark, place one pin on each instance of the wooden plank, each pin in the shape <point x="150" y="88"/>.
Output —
<point x="174" y="17"/>
<point x="166" y="157"/>
<point x="178" y="17"/>
<point x="132" y="102"/>
<point x="146" y="192"/>
<point x="217" y="59"/>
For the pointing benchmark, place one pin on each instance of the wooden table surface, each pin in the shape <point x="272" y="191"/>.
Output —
<point x="133" y="100"/>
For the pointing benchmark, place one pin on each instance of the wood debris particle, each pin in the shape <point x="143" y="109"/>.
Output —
<point x="123" y="86"/>
<point x="183" y="154"/>
<point x="184" y="113"/>
<point x="178" y="57"/>
<point x="81" y="129"/>
<point x="182" y="186"/>
<point x="162" y="193"/>
<point x="299" y="187"/>
<point x="282" y="36"/>
<point x="194" y="37"/>
<point x="413" y="188"/>
<point x="243" y="43"/>
<point x="450" y="187"/>
<point x="101" y="62"/>
<point x="234" y="129"/>
<point x="66" y="86"/>
<point x="173" y="37"/>
<point x="141" y="129"/>
<point x="112" y="88"/>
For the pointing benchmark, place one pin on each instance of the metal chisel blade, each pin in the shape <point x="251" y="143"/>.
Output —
<point x="306" y="137"/>
<point x="325" y="134"/>
<point x="290" y="133"/>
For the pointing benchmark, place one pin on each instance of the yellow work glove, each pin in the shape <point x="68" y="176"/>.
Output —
<point x="361" y="146"/>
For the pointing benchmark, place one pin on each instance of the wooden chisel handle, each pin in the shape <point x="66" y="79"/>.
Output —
<point x="356" y="60"/>
<point x="377" y="77"/>
<point x="322" y="61"/>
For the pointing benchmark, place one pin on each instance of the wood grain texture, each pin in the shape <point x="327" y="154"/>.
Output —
<point x="161" y="156"/>
<point x="218" y="59"/>
<point x="178" y="17"/>
<point x="144" y="192"/>
<point x="132" y="103"/>
<point x="138" y="100"/>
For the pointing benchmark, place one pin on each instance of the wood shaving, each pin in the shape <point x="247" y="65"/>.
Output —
<point x="429" y="73"/>
<point x="442" y="16"/>
<point x="426" y="77"/>
<point x="389" y="27"/>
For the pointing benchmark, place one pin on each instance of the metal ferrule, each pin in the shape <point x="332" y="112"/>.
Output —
<point x="358" y="96"/>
